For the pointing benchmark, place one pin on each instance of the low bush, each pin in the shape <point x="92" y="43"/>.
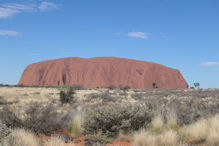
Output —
<point x="4" y="85"/>
<point x="126" y="137"/>
<point x="111" y="87"/>
<point x="19" y="85"/>
<point x="37" y="118"/>
<point x="2" y="101"/>
<point x="109" y="120"/>
<point x="77" y="87"/>
<point x="4" y="131"/>
<point x="124" y="88"/>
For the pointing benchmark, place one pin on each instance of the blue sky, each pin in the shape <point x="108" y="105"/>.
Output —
<point x="182" y="34"/>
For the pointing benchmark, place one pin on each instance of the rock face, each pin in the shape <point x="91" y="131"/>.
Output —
<point x="101" y="72"/>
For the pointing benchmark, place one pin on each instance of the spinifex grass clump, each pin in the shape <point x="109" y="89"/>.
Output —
<point x="20" y="137"/>
<point x="160" y="133"/>
<point x="110" y="120"/>
<point x="75" y="128"/>
<point x="204" y="130"/>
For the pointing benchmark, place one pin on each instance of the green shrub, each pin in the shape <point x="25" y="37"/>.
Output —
<point x="124" y="88"/>
<point x="75" y="128"/>
<point x="66" y="96"/>
<point x="19" y="85"/>
<point x="109" y="120"/>
<point x="77" y="87"/>
<point x="111" y="87"/>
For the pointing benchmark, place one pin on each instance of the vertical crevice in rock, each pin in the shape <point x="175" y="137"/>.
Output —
<point x="64" y="79"/>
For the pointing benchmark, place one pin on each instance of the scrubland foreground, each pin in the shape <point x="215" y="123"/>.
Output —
<point x="140" y="117"/>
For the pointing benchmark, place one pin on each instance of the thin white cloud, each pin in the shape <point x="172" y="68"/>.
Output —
<point x="140" y="35"/>
<point x="6" y="12"/>
<point x="8" y="33"/>
<point x="9" y="10"/>
<point x="47" y="5"/>
<point x="210" y="64"/>
<point x="19" y="7"/>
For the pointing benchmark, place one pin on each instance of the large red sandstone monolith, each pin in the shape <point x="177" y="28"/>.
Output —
<point x="101" y="72"/>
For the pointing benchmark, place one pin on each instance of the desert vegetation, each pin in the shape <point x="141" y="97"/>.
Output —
<point x="140" y="117"/>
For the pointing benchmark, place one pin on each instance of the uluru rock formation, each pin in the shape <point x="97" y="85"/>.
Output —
<point x="101" y="72"/>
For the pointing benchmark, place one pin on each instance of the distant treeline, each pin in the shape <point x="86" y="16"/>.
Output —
<point x="74" y="86"/>
<point x="7" y="85"/>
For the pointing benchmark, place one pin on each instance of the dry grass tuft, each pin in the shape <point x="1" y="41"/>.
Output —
<point x="55" y="141"/>
<point x="172" y="119"/>
<point x="196" y="132"/>
<point x="204" y="130"/>
<point x="157" y="125"/>
<point x="159" y="133"/>
<point x="213" y="135"/>
<point x="144" y="138"/>
<point x="20" y="137"/>
<point x="168" y="138"/>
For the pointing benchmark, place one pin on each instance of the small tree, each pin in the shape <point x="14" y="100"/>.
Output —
<point x="196" y="85"/>
<point x="66" y="96"/>
<point x="154" y="85"/>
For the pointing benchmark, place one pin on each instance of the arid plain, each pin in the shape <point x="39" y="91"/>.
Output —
<point x="193" y="108"/>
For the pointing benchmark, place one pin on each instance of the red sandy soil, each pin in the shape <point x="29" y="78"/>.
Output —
<point x="120" y="143"/>
<point x="101" y="72"/>
<point x="80" y="140"/>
